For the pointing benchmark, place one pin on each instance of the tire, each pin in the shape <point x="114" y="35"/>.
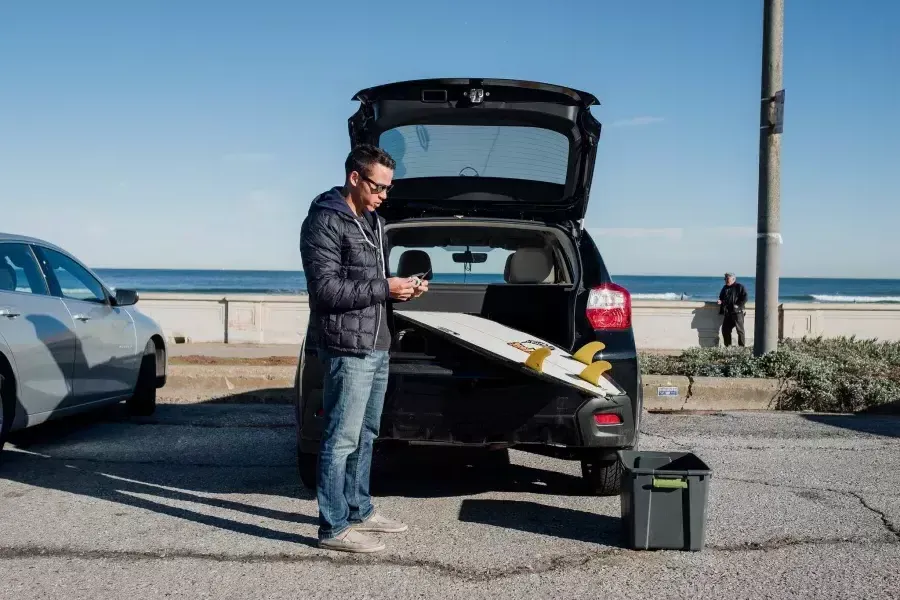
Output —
<point x="603" y="475"/>
<point x="307" y="466"/>
<point x="143" y="402"/>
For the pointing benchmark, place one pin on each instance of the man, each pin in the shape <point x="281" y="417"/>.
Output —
<point x="732" y="300"/>
<point x="343" y="253"/>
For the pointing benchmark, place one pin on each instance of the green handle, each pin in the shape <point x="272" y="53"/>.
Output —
<point x="669" y="483"/>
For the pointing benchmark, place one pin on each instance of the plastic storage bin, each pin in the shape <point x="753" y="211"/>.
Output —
<point x="664" y="496"/>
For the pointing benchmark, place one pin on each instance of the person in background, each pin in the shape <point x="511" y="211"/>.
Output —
<point x="732" y="300"/>
<point x="343" y="250"/>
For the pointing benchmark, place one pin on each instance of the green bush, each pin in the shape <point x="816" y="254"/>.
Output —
<point x="827" y="375"/>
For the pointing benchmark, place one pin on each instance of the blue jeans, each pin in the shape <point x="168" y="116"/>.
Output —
<point x="352" y="400"/>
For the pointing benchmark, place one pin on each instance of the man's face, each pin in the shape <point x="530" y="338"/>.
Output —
<point x="729" y="280"/>
<point x="371" y="189"/>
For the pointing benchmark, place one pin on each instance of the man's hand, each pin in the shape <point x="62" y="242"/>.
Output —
<point x="401" y="288"/>
<point x="421" y="288"/>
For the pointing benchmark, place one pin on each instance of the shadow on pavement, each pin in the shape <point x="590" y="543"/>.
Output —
<point x="554" y="521"/>
<point x="883" y="425"/>
<point x="228" y="449"/>
<point x="433" y="472"/>
<point x="152" y="483"/>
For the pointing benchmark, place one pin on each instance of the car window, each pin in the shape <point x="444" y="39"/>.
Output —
<point x="443" y="265"/>
<point x="74" y="281"/>
<point x="19" y="272"/>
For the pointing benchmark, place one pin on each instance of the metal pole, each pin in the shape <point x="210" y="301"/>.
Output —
<point x="768" y="242"/>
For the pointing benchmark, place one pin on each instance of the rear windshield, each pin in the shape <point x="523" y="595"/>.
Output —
<point x="508" y="152"/>
<point x="477" y="254"/>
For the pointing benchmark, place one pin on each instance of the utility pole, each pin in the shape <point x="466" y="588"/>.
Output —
<point x="771" y="125"/>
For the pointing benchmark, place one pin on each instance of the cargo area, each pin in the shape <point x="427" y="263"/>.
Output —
<point x="538" y="266"/>
<point x="445" y="392"/>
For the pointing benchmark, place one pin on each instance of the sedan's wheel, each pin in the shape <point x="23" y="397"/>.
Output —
<point x="143" y="402"/>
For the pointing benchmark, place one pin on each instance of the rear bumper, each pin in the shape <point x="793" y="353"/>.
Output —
<point x="429" y="404"/>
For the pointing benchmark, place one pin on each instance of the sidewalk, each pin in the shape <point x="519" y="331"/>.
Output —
<point x="215" y="350"/>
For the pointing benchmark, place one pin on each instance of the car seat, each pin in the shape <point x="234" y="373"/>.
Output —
<point x="413" y="262"/>
<point x="7" y="278"/>
<point x="530" y="265"/>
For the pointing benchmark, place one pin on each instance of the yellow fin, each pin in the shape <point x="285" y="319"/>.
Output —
<point x="586" y="353"/>
<point x="594" y="371"/>
<point x="536" y="359"/>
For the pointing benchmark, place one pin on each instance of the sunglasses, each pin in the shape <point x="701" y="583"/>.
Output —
<point x="377" y="188"/>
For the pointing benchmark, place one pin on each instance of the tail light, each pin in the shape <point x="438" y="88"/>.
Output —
<point x="607" y="419"/>
<point x="609" y="307"/>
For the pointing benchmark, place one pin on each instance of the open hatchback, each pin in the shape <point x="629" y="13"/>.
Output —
<point x="490" y="191"/>
<point x="482" y="147"/>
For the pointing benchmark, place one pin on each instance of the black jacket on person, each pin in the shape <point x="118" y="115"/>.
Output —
<point x="346" y="275"/>
<point x="734" y="298"/>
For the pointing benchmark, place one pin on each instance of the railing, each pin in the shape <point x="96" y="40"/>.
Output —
<point x="265" y="319"/>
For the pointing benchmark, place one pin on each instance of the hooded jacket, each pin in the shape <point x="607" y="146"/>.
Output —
<point x="346" y="275"/>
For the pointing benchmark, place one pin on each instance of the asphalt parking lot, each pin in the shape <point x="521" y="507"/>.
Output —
<point x="203" y="501"/>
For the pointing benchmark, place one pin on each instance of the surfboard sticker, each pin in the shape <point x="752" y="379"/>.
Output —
<point x="529" y="346"/>
<point x="496" y="341"/>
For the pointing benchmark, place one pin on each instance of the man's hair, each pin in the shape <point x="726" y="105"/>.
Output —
<point x="364" y="156"/>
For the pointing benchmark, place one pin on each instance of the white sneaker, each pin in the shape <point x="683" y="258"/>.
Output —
<point x="352" y="541"/>
<point x="377" y="523"/>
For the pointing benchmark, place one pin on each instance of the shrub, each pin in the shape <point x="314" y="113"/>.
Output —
<point x="826" y="375"/>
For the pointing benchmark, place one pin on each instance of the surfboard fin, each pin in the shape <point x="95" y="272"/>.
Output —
<point x="594" y="371"/>
<point x="536" y="359"/>
<point x="586" y="353"/>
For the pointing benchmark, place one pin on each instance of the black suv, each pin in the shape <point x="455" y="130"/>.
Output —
<point x="493" y="176"/>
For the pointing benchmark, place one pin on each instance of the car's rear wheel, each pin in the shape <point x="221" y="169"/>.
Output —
<point x="602" y="475"/>
<point x="143" y="402"/>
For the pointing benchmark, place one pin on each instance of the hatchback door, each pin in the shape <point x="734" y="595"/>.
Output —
<point x="485" y="147"/>
<point x="106" y="360"/>
<point x="38" y="330"/>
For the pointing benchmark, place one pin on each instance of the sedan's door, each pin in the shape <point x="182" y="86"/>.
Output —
<point x="39" y="331"/>
<point x="106" y="354"/>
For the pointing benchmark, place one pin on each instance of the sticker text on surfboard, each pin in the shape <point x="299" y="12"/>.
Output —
<point x="528" y="345"/>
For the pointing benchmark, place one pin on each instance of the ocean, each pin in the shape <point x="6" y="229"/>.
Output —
<point x="792" y="289"/>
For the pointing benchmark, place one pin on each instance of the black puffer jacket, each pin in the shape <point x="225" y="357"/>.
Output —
<point x="346" y="277"/>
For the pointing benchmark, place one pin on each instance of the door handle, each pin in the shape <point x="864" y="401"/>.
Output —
<point x="81" y="317"/>
<point x="9" y="313"/>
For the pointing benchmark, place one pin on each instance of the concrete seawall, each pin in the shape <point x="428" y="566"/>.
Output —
<point x="270" y="319"/>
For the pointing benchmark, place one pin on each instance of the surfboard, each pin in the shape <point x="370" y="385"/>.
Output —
<point x="532" y="355"/>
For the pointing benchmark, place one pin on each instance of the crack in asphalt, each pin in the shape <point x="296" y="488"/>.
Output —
<point x="668" y="439"/>
<point x="780" y="543"/>
<point x="886" y="522"/>
<point x="888" y="525"/>
<point x="554" y="564"/>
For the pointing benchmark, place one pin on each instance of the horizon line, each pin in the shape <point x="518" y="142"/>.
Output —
<point x="613" y="276"/>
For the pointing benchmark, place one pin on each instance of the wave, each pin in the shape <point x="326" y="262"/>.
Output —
<point x="664" y="296"/>
<point x="854" y="299"/>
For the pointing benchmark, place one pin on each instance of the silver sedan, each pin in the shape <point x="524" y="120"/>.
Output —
<point x="67" y="343"/>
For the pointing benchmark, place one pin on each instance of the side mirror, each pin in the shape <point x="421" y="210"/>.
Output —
<point x="126" y="297"/>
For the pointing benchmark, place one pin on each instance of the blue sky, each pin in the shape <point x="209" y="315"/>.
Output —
<point x="138" y="136"/>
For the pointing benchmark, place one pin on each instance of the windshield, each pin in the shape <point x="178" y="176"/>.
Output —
<point x="508" y="152"/>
